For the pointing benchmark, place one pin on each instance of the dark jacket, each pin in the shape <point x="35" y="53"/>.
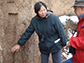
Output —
<point x="48" y="29"/>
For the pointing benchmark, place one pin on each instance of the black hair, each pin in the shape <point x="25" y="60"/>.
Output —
<point x="49" y="11"/>
<point x="38" y="5"/>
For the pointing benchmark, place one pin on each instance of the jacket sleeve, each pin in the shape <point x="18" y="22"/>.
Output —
<point x="60" y="31"/>
<point x="77" y="42"/>
<point x="26" y="35"/>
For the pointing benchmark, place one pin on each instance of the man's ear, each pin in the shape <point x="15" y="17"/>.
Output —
<point x="82" y="8"/>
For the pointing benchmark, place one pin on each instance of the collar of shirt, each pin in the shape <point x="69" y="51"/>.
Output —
<point x="81" y="16"/>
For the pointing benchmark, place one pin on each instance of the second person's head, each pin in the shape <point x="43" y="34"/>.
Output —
<point x="40" y="9"/>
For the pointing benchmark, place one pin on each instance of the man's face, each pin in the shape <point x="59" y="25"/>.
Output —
<point x="78" y="10"/>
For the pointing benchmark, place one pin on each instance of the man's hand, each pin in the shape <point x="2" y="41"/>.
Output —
<point x="68" y="44"/>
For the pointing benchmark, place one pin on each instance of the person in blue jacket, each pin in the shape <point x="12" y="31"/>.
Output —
<point x="50" y="32"/>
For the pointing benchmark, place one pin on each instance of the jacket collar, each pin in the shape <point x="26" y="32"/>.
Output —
<point x="81" y="16"/>
<point x="47" y="15"/>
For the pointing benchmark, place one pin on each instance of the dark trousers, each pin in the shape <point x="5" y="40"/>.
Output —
<point x="56" y="57"/>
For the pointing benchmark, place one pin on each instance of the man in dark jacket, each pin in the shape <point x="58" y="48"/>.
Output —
<point x="50" y="31"/>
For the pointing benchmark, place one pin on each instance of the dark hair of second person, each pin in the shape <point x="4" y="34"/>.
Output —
<point x="38" y="5"/>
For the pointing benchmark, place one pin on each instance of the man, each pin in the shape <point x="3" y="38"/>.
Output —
<point x="78" y="41"/>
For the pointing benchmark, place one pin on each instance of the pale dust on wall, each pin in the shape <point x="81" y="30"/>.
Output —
<point x="61" y="7"/>
<point x="1" y="33"/>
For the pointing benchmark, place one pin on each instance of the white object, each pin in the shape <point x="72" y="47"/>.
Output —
<point x="57" y="40"/>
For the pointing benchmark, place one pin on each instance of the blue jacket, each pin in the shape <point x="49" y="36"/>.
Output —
<point x="48" y="29"/>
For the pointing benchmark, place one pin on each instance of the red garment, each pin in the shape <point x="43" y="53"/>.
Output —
<point x="78" y="43"/>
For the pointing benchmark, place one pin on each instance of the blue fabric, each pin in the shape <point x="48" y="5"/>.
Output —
<point x="56" y="57"/>
<point x="68" y="61"/>
<point x="81" y="16"/>
<point x="44" y="58"/>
